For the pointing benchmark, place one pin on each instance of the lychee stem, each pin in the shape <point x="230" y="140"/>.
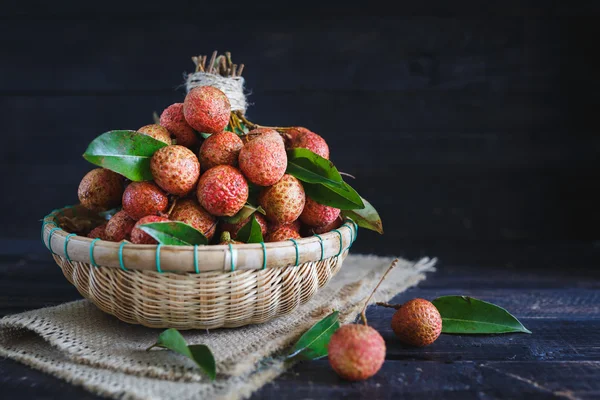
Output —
<point x="252" y="125"/>
<point x="362" y="313"/>
<point x="347" y="174"/>
<point x="388" y="305"/>
<point x="173" y="203"/>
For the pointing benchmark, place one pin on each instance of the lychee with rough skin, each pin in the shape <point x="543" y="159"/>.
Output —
<point x="296" y="225"/>
<point x="98" y="232"/>
<point x="220" y="149"/>
<point x="157" y="132"/>
<point x="356" y="352"/>
<point x="192" y="213"/>
<point x="144" y="198"/>
<point x="138" y="236"/>
<point x="226" y="239"/>
<point x="263" y="160"/>
<point x="329" y="227"/>
<point x="175" y="169"/>
<point x="222" y="190"/>
<point x="207" y="109"/>
<point x="100" y="190"/>
<point x="284" y="201"/>
<point x="417" y="322"/>
<point x="119" y="227"/>
<point x="283" y="232"/>
<point x="233" y="229"/>
<point x="300" y="137"/>
<point x="315" y="214"/>
<point x="173" y="120"/>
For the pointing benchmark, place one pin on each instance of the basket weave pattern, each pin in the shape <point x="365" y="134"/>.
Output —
<point x="265" y="283"/>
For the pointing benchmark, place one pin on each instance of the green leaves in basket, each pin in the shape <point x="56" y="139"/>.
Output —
<point x="466" y="315"/>
<point x="321" y="180"/>
<point x="174" y="233"/>
<point x="251" y="232"/>
<point x="199" y="353"/>
<point x="125" y="152"/>
<point x="243" y="214"/>
<point x="108" y="214"/>
<point x="313" y="344"/>
<point x="366" y="218"/>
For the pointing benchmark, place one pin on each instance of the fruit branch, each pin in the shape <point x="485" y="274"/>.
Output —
<point x="388" y="305"/>
<point x="362" y="313"/>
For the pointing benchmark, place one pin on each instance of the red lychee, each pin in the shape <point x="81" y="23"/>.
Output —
<point x="356" y="352"/>
<point x="220" y="149"/>
<point x="263" y="160"/>
<point x="192" y="213"/>
<point x="329" y="227"/>
<point x="296" y="225"/>
<point x="233" y="229"/>
<point x="284" y="201"/>
<point x="175" y="169"/>
<point x="100" y="189"/>
<point x="144" y="198"/>
<point x="417" y="322"/>
<point x="119" y="227"/>
<point x="222" y="190"/>
<point x="207" y="109"/>
<point x="283" y="232"/>
<point x="172" y="118"/>
<point x="98" y="232"/>
<point x="157" y="132"/>
<point x="138" y="236"/>
<point x="300" y="137"/>
<point x="315" y="214"/>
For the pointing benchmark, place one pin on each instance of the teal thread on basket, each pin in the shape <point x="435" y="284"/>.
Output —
<point x="322" y="248"/>
<point x="50" y="238"/>
<point x="92" y="260"/>
<point x="158" y="258"/>
<point x="264" y="249"/>
<point x="231" y="257"/>
<point x="341" y="243"/>
<point x="121" y="256"/>
<point x="70" y="235"/>
<point x="296" y="247"/>
<point x="196" y="258"/>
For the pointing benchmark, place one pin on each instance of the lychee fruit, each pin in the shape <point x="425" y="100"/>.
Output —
<point x="175" y="169"/>
<point x="329" y="227"/>
<point x="207" y="109"/>
<point x="263" y="160"/>
<point x="157" y="132"/>
<point x="226" y="239"/>
<point x="296" y="225"/>
<point x="315" y="214"/>
<point x="119" y="227"/>
<point x="100" y="190"/>
<point x="172" y="118"/>
<point x="417" y="322"/>
<point x="299" y="137"/>
<point x="220" y="149"/>
<point x="233" y="229"/>
<point x="283" y="232"/>
<point x="356" y="352"/>
<point x="98" y="232"/>
<point x="284" y="201"/>
<point x="144" y="198"/>
<point x="138" y="236"/>
<point x="222" y="190"/>
<point x="192" y="213"/>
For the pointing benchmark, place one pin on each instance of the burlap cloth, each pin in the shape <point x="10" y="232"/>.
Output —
<point x="86" y="347"/>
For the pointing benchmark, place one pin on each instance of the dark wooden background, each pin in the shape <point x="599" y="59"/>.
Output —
<point x="464" y="124"/>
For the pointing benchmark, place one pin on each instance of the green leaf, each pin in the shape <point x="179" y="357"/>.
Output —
<point x="461" y="314"/>
<point x="109" y="213"/>
<point x="366" y="217"/>
<point x="205" y="135"/>
<point x="312" y="168"/>
<point x="125" y="152"/>
<point x="237" y="130"/>
<point x="313" y="344"/>
<point x="174" y="233"/>
<point x="244" y="214"/>
<point x="251" y="232"/>
<point x="199" y="353"/>
<point x="344" y="198"/>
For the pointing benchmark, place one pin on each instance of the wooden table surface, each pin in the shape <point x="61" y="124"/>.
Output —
<point x="551" y="287"/>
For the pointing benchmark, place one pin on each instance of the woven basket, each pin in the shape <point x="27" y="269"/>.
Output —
<point x="195" y="287"/>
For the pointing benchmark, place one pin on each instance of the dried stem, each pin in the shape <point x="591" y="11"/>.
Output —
<point x="173" y="203"/>
<point x="240" y="70"/>
<point x="212" y="62"/>
<point x="388" y="305"/>
<point x="362" y="313"/>
<point x="347" y="174"/>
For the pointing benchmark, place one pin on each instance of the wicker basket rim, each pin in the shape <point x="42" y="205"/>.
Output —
<point x="199" y="258"/>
